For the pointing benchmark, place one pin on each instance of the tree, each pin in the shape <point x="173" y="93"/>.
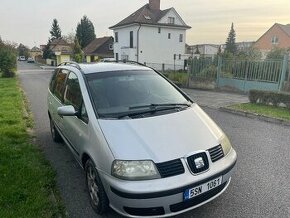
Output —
<point x="250" y="53"/>
<point x="276" y="53"/>
<point x="85" y="32"/>
<point x="231" y="46"/>
<point x="55" y="31"/>
<point x="196" y="50"/>
<point x="77" y="51"/>
<point x="23" y="50"/>
<point x="69" y="38"/>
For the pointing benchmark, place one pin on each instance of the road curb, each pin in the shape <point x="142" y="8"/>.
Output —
<point x="255" y="116"/>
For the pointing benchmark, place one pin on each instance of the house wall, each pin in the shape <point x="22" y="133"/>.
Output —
<point x="171" y="13"/>
<point x="122" y="47"/>
<point x="154" y="47"/>
<point x="33" y="54"/>
<point x="157" y="48"/>
<point x="265" y="42"/>
<point x="62" y="58"/>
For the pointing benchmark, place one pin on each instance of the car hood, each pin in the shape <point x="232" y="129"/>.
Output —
<point x="161" y="138"/>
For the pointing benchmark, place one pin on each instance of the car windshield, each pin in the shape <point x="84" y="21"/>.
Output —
<point x="123" y="93"/>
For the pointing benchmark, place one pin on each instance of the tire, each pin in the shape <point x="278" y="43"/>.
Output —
<point x="56" y="137"/>
<point x="98" y="198"/>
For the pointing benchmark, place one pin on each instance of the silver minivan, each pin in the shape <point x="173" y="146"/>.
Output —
<point x="146" y="147"/>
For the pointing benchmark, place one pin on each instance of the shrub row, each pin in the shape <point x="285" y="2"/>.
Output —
<point x="269" y="98"/>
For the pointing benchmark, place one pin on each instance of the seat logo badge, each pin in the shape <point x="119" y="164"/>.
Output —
<point x="199" y="163"/>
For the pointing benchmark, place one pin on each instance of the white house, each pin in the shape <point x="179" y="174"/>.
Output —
<point x="150" y="35"/>
<point x="205" y="50"/>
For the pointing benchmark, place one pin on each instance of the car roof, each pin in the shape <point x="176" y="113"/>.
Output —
<point x="107" y="67"/>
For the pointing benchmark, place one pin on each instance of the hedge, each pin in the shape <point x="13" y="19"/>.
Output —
<point x="269" y="98"/>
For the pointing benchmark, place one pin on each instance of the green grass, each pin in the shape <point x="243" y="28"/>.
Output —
<point x="266" y="110"/>
<point x="26" y="179"/>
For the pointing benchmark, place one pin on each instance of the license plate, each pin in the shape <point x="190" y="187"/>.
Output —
<point x="193" y="192"/>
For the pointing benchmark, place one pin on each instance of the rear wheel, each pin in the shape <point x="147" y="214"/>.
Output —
<point x="56" y="137"/>
<point x="98" y="197"/>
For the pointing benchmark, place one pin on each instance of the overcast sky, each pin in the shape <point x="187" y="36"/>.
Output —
<point x="29" y="21"/>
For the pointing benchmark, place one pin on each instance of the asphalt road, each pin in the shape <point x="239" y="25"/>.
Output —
<point x="260" y="185"/>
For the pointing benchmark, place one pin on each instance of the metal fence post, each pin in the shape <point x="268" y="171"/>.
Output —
<point x="189" y="67"/>
<point x="246" y="75"/>
<point x="218" y="72"/>
<point x="283" y="73"/>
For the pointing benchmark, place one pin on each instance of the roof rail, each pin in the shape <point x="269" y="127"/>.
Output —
<point x="71" y="63"/>
<point x="125" y="62"/>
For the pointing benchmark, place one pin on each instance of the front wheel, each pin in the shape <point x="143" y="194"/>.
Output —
<point x="56" y="137"/>
<point x="98" y="197"/>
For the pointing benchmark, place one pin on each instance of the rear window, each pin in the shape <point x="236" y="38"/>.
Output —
<point x="59" y="83"/>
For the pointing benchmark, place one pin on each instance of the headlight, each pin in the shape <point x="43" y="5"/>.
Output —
<point x="134" y="170"/>
<point x="225" y="144"/>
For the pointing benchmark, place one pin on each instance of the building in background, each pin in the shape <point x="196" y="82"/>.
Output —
<point x="278" y="36"/>
<point x="204" y="50"/>
<point x="35" y="52"/>
<point x="151" y="35"/>
<point x="99" y="48"/>
<point x="62" y="50"/>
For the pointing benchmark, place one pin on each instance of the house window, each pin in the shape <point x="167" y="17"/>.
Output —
<point x="274" y="40"/>
<point x="131" y="39"/>
<point x="116" y="37"/>
<point x="179" y="56"/>
<point x="159" y="29"/>
<point x="171" y="20"/>
<point x="181" y="38"/>
<point x="111" y="47"/>
<point x="169" y="35"/>
<point x="117" y="56"/>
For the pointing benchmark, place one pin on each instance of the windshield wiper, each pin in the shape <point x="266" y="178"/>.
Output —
<point x="154" y="106"/>
<point x="145" y="109"/>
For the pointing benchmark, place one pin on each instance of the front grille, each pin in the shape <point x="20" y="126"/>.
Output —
<point x="196" y="200"/>
<point x="192" y="164"/>
<point x="152" y="211"/>
<point x="170" y="168"/>
<point x="216" y="153"/>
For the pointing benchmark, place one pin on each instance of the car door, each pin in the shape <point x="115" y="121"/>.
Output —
<point x="75" y="127"/>
<point x="55" y="99"/>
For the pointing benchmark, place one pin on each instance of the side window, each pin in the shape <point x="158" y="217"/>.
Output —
<point x="59" y="83"/>
<point x="72" y="92"/>
<point x="52" y="81"/>
<point x="84" y="115"/>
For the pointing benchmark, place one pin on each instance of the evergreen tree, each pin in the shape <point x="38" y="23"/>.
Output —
<point x="55" y="31"/>
<point x="231" y="46"/>
<point x="85" y="32"/>
<point x="47" y="52"/>
<point x="77" y="51"/>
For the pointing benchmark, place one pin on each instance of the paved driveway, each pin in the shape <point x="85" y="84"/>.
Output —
<point x="215" y="100"/>
<point x="260" y="186"/>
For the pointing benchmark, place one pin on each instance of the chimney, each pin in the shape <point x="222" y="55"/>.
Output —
<point x="154" y="4"/>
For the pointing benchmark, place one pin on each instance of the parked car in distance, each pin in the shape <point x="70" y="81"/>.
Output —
<point x="21" y="58"/>
<point x="147" y="149"/>
<point x="30" y="60"/>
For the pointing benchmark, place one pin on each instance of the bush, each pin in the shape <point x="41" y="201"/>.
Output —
<point x="269" y="98"/>
<point x="7" y="62"/>
<point x="179" y="78"/>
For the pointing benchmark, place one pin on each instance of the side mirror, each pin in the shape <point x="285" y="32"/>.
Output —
<point x="66" y="111"/>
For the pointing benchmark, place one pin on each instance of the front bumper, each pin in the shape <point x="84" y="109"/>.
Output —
<point x="164" y="197"/>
